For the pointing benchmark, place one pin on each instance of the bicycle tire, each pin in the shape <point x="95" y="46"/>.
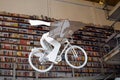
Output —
<point x="71" y="62"/>
<point x="34" y="67"/>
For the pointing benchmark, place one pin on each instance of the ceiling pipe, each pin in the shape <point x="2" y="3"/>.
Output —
<point x="106" y="9"/>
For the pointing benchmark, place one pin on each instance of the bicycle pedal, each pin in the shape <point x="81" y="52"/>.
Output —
<point x="58" y="59"/>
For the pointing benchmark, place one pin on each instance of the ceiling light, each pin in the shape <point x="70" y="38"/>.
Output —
<point x="101" y="2"/>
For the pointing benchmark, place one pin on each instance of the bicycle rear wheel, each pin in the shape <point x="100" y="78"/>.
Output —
<point x="76" y="57"/>
<point x="38" y="62"/>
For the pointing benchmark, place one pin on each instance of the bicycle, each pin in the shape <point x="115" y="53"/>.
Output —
<point x="75" y="57"/>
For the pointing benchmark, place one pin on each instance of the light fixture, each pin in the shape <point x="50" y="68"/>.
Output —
<point x="101" y="2"/>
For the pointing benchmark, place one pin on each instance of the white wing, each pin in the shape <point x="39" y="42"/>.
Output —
<point x="38" y="22"/>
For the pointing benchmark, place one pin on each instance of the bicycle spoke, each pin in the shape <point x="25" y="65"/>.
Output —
<point x="39" y="63"/>
<point x="76" y="57"/>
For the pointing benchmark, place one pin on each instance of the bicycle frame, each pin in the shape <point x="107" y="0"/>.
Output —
<point x="68" y="44"/>
<point x="58" y="57"/>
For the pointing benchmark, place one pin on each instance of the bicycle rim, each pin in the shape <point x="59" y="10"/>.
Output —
<point x="76" y="57"/>
<point x="37" y="65"/>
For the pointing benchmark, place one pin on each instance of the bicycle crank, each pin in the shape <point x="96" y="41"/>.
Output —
<point x="58" y="59"/>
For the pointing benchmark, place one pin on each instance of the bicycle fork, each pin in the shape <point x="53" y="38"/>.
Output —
<point x="73" y="50"/>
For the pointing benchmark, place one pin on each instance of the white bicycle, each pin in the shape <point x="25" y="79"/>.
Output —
<point x="41" y="60"/>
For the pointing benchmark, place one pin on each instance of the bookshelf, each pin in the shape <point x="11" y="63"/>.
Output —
<point x="17" y="38"/>
<point x="92" y="39"/>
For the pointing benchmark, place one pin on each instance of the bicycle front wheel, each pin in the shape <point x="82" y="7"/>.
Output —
<point x="38" y="62"/>
<point x="76" y="57"/>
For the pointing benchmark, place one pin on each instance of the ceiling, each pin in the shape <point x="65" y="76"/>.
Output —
<point x="108" y="2"/>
